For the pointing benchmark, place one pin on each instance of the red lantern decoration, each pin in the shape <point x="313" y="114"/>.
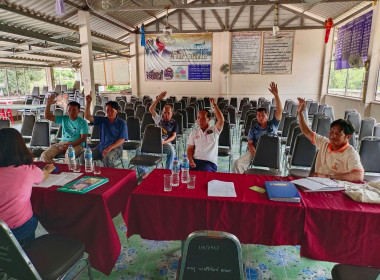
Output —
<point x="328" y="25"/>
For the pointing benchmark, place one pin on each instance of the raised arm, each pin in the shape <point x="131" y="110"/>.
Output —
<point x="50" y="101"/>
<point x="219" y="116"/>
<point x="274" y="90"/>
<point x="305" y="129"/>
<point x="87" y="111"/>
<point x="152" y="108"/>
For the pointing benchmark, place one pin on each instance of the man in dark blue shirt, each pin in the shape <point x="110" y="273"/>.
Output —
<point x="263" y="126"/>
<point x="169" y="132"/>
<point x="113" y="133"/>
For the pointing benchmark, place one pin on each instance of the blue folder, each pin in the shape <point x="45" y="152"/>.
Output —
<point x="282" y="191"/>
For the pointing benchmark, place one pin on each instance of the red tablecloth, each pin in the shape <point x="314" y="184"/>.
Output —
<point x="339" y="229"/>
<point x="88" y="217"/>
<point x="159" y="215"/>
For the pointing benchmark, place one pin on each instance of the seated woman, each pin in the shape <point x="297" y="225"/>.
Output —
<point x="17" y="175"/>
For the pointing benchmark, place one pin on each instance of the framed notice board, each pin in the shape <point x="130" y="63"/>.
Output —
<point x="245" y="52"/>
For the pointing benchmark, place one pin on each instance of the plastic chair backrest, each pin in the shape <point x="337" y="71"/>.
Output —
<point x="244" y="111"/>
<point x="225" y="135"/>
<point x="177" y="106"/>
<point x="100" y="113"/>
<point x="348" y="111"/>
<point x="376" y="130"/>
<point x="366" y="127"/>
<point x="192" y="99"/>
<point x="146" y="120"/>
<point x="242" y="103"/>
<point x="323" y="126"/>
<point x="292" y="126"/>
<point x="268" y="151"/>
<point x="152" y="141"/>
<point x="28" y="121"/>
<point x="130" y="112"/>
<point x="233" y="102"/>
<point x="232" y="114"/>
<point x="313" y="108"/>
<point x="178" y="118"/>
<point x="191" y="116"/>
<point x="133" y="126"/>
<point x="287" y="122"/>
<point x="14" y="261"/>
<point x="96" y="109"/>
<point x="4" y="123"/>
<point x="41" y="135"/>
<point x="185" y="118"/>
<point x="282" y="121"/>
<point x="122" y="115"/>
<point x="140" y="111"/>
<point x="36" y="91"/>
<point x="316" y="116"/>
<point x="303" y="152"/>
<point x="228" y="257"/>
<point x="329" y="111"/>
<point x="44" y="90"/>
<point x="370" y="154"/>
<point x="122" y="104"/>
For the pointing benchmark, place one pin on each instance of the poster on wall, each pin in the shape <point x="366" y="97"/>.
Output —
<point x="186" y="58"/>
<point x="245" y="56"/>
<point x="278" y="53"/>
<point x="353" y="39"/>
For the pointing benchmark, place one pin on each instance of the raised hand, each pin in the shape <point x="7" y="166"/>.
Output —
<point x="51" y="99"/>
<point x="162" y="95"/>
<point x="212" y="101"/>
<point x="88" y="99"/>
<point x="301" y="104"/>
<point x="273" y="88"/>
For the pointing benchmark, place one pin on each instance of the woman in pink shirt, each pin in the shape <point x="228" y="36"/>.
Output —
<point x="17" y="175"/>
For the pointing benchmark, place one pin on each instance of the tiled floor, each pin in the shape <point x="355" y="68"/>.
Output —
<point x="154" y="260"/>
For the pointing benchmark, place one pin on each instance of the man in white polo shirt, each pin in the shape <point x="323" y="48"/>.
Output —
<point x="203" y="142"/>
<point x="336" y="159"/>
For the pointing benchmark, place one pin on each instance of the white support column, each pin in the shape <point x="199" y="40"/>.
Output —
<point x="86" y="51"/>
<point x="50" y="78"/>
<point x="134" y="40"/>
<point x="226" y="58"/>
<point x="373" y="57"/>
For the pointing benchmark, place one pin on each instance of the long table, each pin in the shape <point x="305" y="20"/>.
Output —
<point x="88" y="217"/>
<point x="328" y="226"/>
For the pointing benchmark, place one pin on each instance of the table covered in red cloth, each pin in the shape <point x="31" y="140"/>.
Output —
<point x="159" y="215"/>
<point x="339" y="229"/>
<point x="88" y="217"/>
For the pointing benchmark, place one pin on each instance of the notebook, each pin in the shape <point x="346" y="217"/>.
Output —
<point x="83" y="185"/>
<point x="282" y="191"/>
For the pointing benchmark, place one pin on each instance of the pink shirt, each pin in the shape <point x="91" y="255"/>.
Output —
<point x="15" y="191"/>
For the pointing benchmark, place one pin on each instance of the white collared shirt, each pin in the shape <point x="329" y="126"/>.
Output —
<point x="206" y="143"/>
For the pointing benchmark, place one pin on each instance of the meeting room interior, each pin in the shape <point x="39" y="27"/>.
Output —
<point x="190" y="139"/>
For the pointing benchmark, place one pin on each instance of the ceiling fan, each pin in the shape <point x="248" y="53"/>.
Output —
<point x="104" y="5"/>
<point x="166" y="37"/>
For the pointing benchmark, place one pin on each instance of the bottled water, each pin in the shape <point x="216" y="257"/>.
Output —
<point x="175" y="173"/>
<point x="185" y="170"/>
<point x="71" y="157"/>
<point x="88" y="160"/>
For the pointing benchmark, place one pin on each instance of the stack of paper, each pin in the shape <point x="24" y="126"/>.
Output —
<point x="58" y="179"/>
<point x="317" y="184"/>
<point x="221" y="189"/>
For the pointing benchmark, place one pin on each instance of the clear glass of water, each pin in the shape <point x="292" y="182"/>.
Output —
<point x="191" y="182"/>
<point x="96" y="167"/>
<point x="78" y="166"/>
<point x="167" y="182"/>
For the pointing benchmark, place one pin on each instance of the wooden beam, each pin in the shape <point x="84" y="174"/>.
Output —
<point x="214" y="12"/>
<point x="237" y="15"/>
<point x="354" y="14"/>
<point x="264" y="17"/>
<point x="43" y="37"/>
<point x="289" y="21"/>
<point x="251" y="12"/>
<point x="24" y="64"/>
<point x="192" y="20"/>
<point x="301" y="14"/>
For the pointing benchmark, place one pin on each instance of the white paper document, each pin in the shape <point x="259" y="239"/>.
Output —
<point x="317" y="184"/>
<point x="59" y="179"/>
<point x="221" y="189"/>
<point x="50" y="181"/>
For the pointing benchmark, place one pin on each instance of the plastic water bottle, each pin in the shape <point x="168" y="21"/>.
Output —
<point x="175" y="173"/>
<point x="88" y="160"/>
<point x="71" y="157"/>
<point x="185" y="170"/>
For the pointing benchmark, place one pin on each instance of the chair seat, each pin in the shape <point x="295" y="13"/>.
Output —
<point x="351" y="272"/>
<point x="93" y="143"/>
<point x="53" y="255"/>
<point x="224" y="152"/>
<point x="298" y="172"/>
<point x="258" y="171"/>
<point x="145" y="160"/>
<point x="131" y="145"/>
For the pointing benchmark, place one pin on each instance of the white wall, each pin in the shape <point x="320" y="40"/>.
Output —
<point x="304" y="81"/>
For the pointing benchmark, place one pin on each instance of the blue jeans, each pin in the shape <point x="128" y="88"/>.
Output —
<point x="204" y="165"/>
<point x="168" y="150"/>
<point x="26" y="232"/>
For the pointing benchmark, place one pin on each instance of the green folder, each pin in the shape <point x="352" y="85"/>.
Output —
<point x="83" y="185"/>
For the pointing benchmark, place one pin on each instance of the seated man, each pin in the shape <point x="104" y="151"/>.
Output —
<point x="169" y="132"/>
<point x="113" y="133"/>
<point x="336" y="159"/>
<point x="263" y="126"/>
<point x="203" y="142"/>
<point x="74" y="131"/>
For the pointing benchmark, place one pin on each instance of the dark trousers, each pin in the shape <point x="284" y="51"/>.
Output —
<point x="204" y="165"/>
<point x="26" y="232"/>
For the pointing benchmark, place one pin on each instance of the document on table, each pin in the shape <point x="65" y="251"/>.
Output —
<point x="58" y="179"/>
<point x="221" y="189"/>
<point x="317" y="184"/>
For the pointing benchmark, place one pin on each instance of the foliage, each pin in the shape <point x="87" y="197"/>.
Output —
<point x="117" y="88"/>
<point x="64" y="77"/>
<point x="346" y="79"/>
